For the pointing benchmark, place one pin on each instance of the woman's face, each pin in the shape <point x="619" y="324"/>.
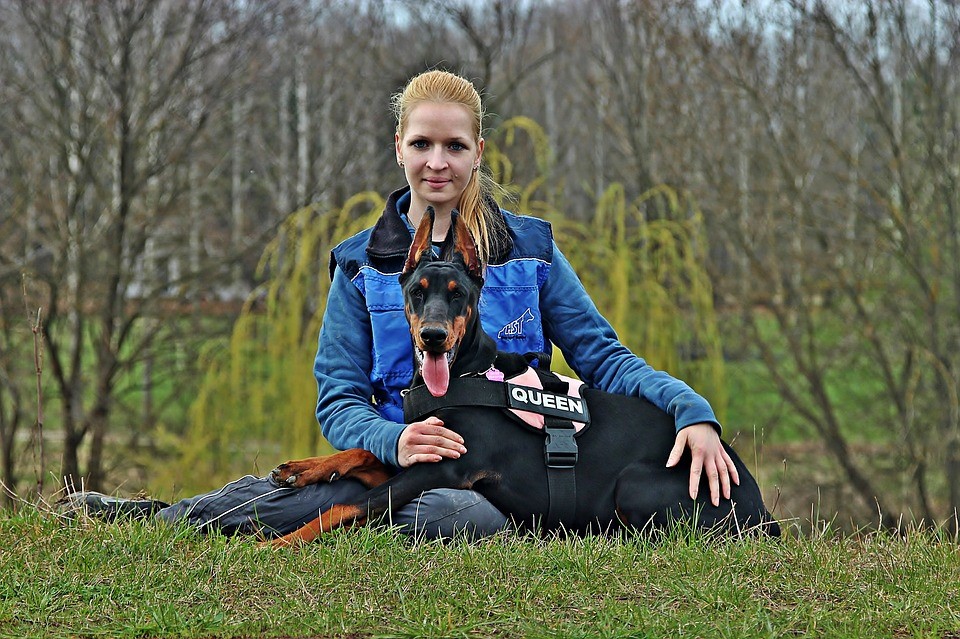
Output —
<point x="438" y="152"/>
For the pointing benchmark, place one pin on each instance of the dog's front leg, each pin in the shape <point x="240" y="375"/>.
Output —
<point x="354" y="463"/>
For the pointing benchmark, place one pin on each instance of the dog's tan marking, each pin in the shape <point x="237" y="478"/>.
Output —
<point x="337" y="516"/>
<point x="458" y="329"/>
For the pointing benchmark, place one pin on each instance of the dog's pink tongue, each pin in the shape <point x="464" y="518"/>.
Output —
<point x="436" y="374"/>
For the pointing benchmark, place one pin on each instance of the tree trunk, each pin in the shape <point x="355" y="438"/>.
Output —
<point x="952" y="471"/>
<point x="283" y="173"/>
<point x="73" y="437"/>
<point x="303" y="133"/>
<point x="238" y="114"/>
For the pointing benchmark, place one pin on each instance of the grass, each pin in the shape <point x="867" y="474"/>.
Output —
<point x="88" y="579"/>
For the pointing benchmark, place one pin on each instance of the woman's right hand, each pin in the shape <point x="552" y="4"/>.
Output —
<point x="428" y="441"/>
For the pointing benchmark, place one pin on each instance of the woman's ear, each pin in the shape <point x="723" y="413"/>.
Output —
<point x="396" y="143"/>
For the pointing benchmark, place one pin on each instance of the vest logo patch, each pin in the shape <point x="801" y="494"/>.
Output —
<point x="515" y="328"/>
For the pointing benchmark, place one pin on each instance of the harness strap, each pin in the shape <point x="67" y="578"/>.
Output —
<point x="560" y="456"/>
<point x="478" y="391"/>
<point x="465" y="391"/>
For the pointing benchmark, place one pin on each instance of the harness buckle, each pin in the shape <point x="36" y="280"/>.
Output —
<point x="560" y="446"/>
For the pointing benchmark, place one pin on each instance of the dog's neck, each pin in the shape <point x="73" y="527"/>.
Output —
<point x="475" y="354"/>
<point x="510" y="364"/>
<point x="478" y="354"/>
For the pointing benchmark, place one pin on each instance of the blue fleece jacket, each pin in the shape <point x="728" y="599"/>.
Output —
<point x="530" y="299"/>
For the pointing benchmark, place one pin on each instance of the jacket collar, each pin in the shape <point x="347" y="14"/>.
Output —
<point x="391" y="235"/>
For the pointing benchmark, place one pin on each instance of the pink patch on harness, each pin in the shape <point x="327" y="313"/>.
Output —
<point x="494" y="374"/>
<point x="530" y="379"/>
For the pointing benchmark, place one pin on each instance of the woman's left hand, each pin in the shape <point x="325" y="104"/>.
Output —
<point x="709" y="457"/>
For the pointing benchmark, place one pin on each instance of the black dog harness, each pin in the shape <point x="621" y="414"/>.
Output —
<point x="561" y="413"/>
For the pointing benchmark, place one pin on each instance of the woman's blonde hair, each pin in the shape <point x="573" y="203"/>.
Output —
<point x="444" y="87"/>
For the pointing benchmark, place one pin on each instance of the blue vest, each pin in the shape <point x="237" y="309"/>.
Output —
<point x="509" y="302"/>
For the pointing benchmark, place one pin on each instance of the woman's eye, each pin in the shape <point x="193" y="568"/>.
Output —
<point x="419" y="144"/>
<point x="456" y="146"/>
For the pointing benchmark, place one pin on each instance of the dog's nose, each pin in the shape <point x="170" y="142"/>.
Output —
<point x="433" y="336"/>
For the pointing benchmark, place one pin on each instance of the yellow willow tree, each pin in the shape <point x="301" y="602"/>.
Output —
<point x="640" y="259"/>
<point x="642" y="262"/>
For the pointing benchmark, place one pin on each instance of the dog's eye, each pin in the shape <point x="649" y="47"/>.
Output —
<point x="417" y="294"/>
<point x="456" y="294"/>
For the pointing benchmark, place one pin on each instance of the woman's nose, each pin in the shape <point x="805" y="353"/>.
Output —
<point x="437" y="159"/>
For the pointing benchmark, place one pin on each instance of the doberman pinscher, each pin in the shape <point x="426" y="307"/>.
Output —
<point x="609" y="476"/>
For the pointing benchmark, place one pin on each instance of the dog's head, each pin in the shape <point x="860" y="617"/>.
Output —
<point x="440" y="296"/>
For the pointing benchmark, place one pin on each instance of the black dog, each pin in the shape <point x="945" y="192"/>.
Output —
<point x="611" y="475"/>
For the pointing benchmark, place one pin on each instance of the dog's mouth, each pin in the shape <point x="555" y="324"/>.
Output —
<point x="435" y="370"/>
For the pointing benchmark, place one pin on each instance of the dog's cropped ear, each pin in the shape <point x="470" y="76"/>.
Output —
<point x="422" y="243"/>
<point x="464" y="245"/>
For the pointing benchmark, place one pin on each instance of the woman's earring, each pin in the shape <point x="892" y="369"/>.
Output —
<point x="400" y="163"/>
<point x="476" y="167"/>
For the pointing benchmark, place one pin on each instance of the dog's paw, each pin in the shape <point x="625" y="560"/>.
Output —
<point x="286" y="475"/>
<point x="303" y="472"/>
